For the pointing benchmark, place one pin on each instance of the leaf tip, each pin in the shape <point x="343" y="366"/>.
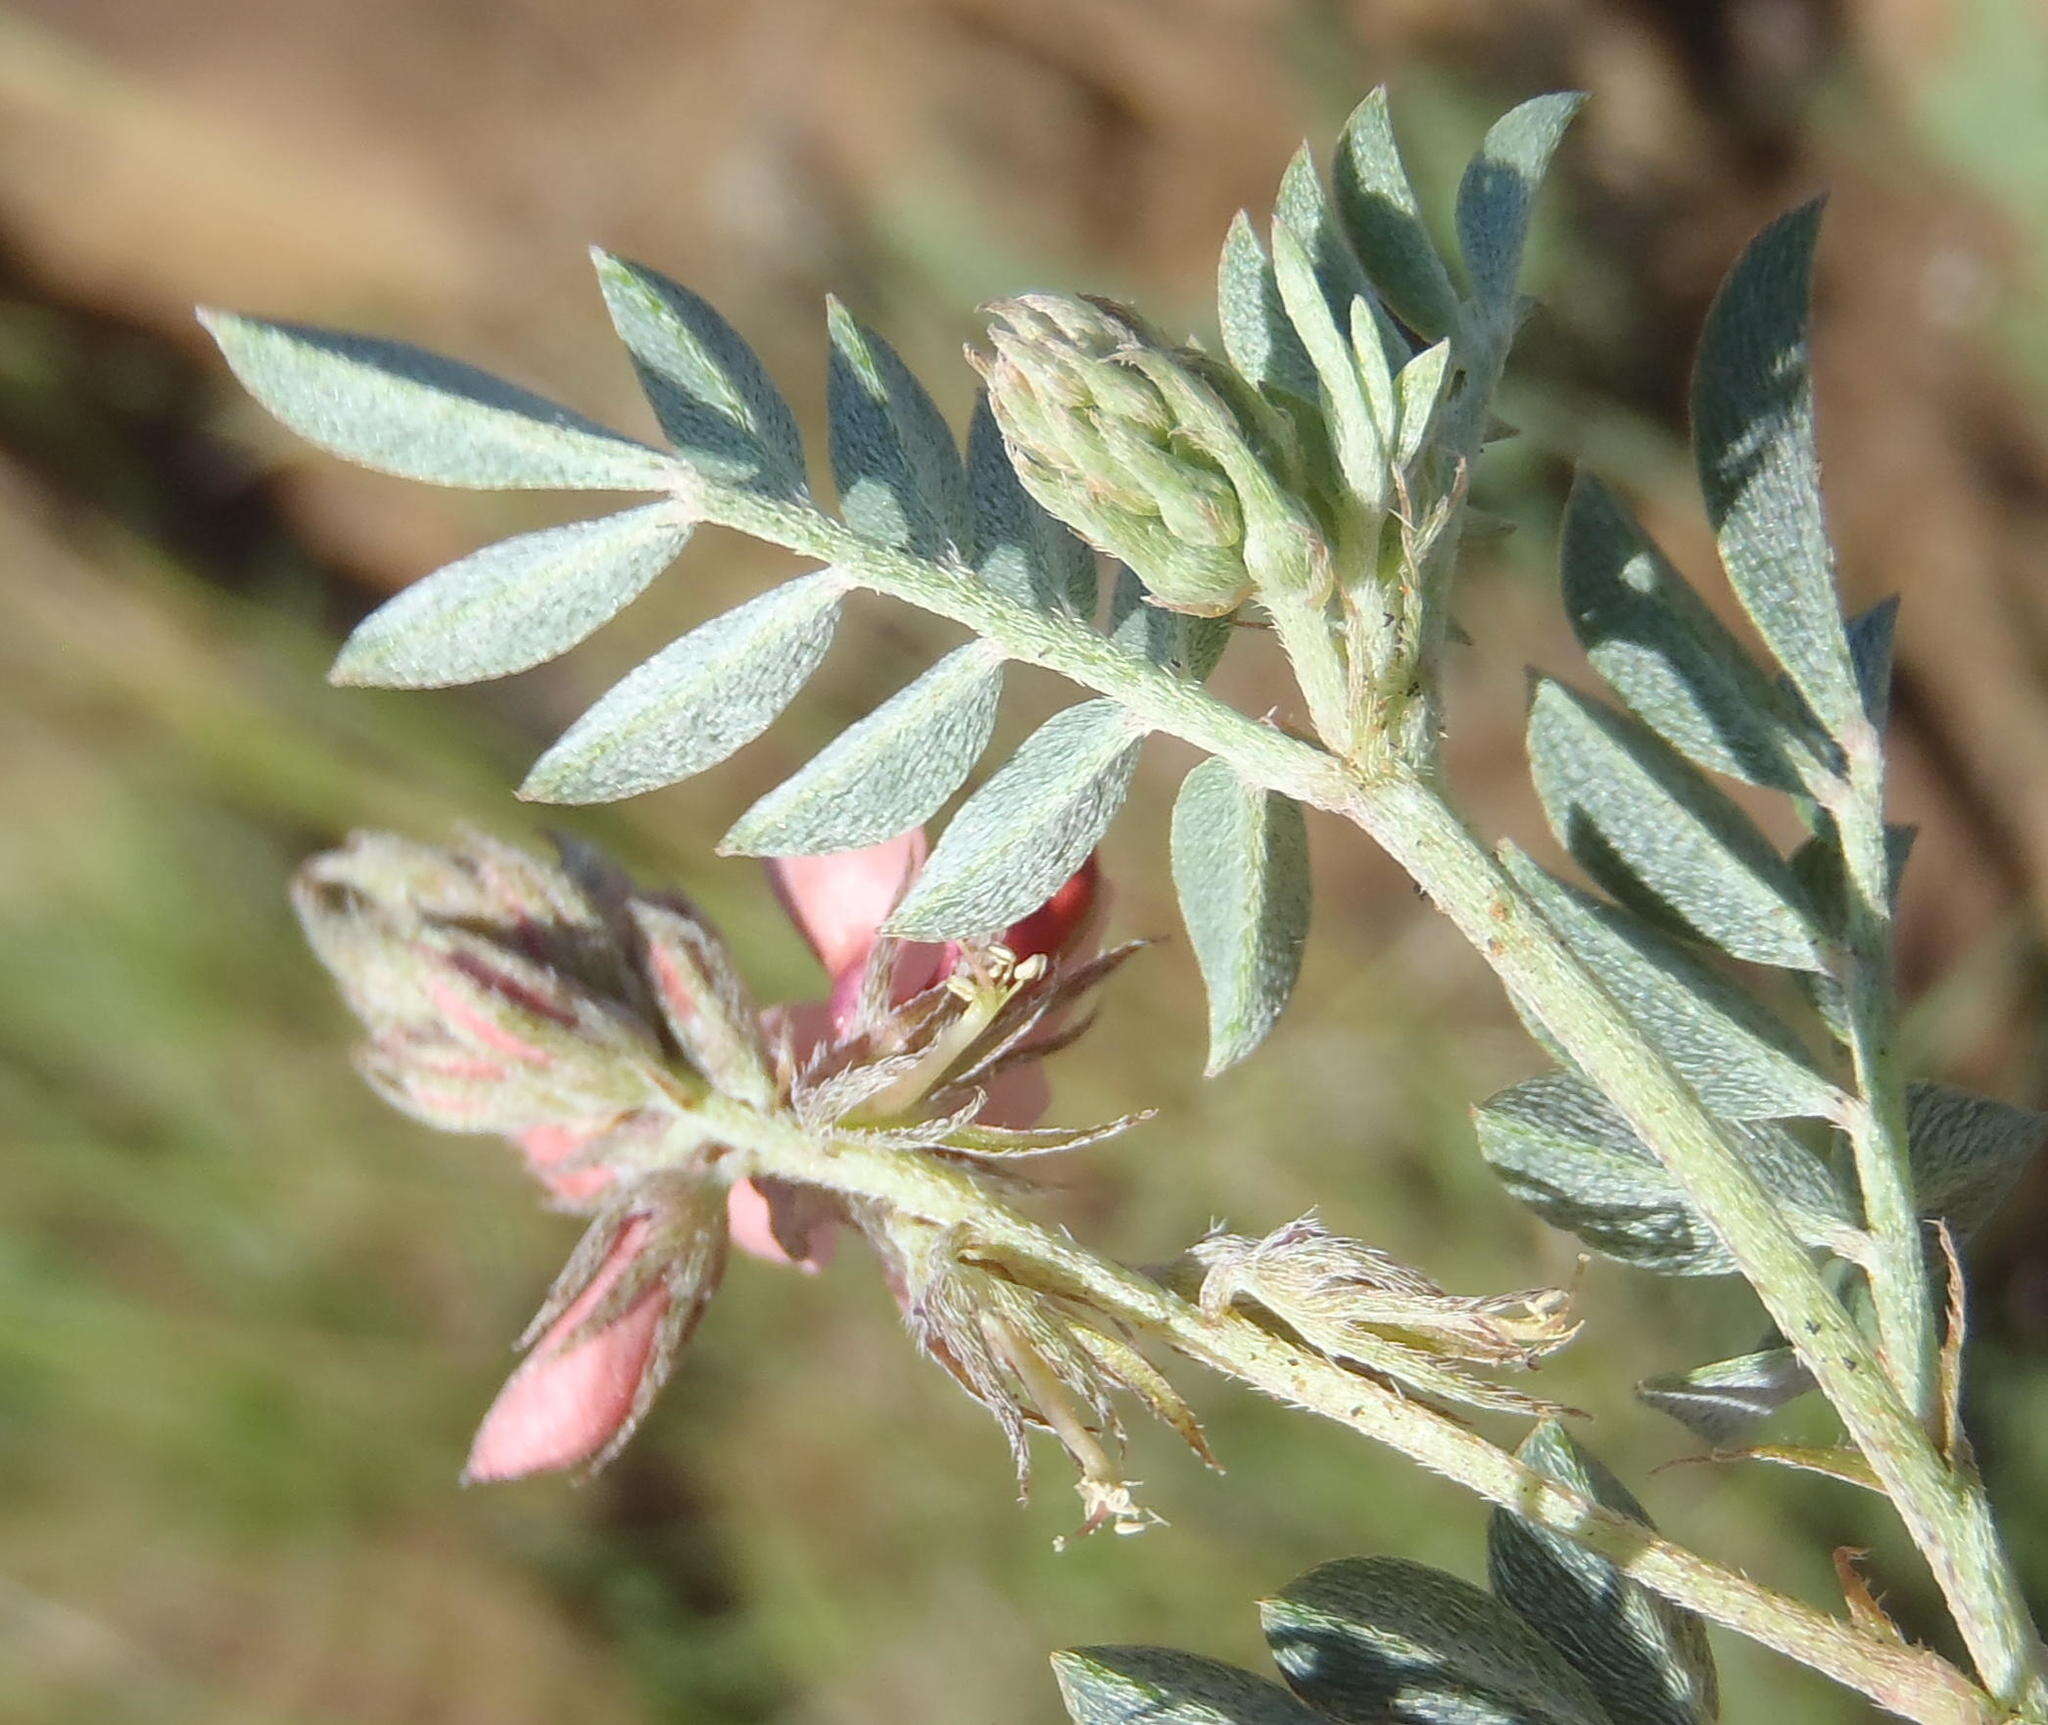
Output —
<point x="1221" y="1060"/>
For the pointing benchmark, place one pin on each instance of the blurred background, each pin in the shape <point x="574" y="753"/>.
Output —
<point x="248" y="1317"/>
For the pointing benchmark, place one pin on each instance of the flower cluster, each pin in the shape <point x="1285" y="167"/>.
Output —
<point x="588" y="1021"/>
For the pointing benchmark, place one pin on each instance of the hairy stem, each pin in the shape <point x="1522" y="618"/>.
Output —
<point x="1307" y="638"/>
<point x="1899" y="1284"/>
<point x="1945" y="1513"/>
<point x="1910" y="1682"/>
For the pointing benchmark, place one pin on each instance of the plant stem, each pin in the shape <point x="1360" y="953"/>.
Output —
<point x="1945" y="1513"/>
<point x="1899" y="1284"/>
<point x="1912" y="1682"/>
<point x="1311" y="647"/>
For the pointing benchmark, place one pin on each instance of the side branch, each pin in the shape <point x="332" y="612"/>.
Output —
<point x="1946" y="1515"/>
<point x="1913" y="1683"/>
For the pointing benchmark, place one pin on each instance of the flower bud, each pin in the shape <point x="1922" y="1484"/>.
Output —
<point x="1133" y="444"/>
<point x="628" y="1300"/>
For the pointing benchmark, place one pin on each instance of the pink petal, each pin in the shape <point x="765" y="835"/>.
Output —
<point x="840" y="901"/>
<point x="545" y="1146"/>
<point x="918" y="966"/>
<point x="562" y="1408"/>
<point x="781" y="1223"/>
<point x="1017" y="1096"/>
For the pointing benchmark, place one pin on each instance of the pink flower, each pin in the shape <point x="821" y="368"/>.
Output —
<point x="507" y="996"/>
<point x="839" y="902"/>
<point x="567" y="1405"/>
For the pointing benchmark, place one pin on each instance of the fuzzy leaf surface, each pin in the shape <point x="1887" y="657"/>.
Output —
<point x="1158" y="1686"/>
<point x="713" y="397"/>
<point x="1257" y="334"/>
<point x="1019" y="838"/>
<point x="1725" y="1401"/>
<point x="1188" y="645"/>
<point x="403" y="410"/>
<point x="1499" y="188"/>
<point x="1740" y="1057"/>
<point x="1657" y="834"/>
<point x="1301" y="208"/>
<point x="898" y="471"/>
<point x="514" y="604"/>
<point x="886" y="774"/>
<point x="1752" y="416"/>
<point x="695" y="701"/>
<point x="1967" y="1152"/>
<point x="1377" y="206"/>
<point x="1646" y="1659"/>
<point x="1240" y="866"/>
<point x="1018" y="547"/>
<point x="1670" y="659"/>
<point x="1358" y="436"/>
<point x="1871" y="635"/>
<point x="1559" y="1146"/>
<point x="1368" y="1640"/>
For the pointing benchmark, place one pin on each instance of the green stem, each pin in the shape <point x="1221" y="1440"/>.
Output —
<point x="1946" y="1514"/>
<point x="1900" y="1289"/>
<point x="1911" y="1682"/>
<point x="1311" y="647"/>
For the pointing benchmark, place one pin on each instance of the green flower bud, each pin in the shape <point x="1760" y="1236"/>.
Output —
<point x="1149" y="453"/>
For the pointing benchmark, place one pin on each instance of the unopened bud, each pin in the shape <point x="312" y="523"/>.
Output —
<point x="1138" y="447"/>
<point x="497" y="997"/>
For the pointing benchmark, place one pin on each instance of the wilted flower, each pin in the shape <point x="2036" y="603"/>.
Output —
<point x="1149" y="453"/>
<point x="1033" y="1360"/>
<point x="579" y="1016"/>
<point x="1354" y="1303"/>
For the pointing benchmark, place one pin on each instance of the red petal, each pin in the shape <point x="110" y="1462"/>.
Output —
<point x="1056" y="924"/>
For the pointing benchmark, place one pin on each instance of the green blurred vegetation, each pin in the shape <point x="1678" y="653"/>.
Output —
<point x="247" y="1316"/>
